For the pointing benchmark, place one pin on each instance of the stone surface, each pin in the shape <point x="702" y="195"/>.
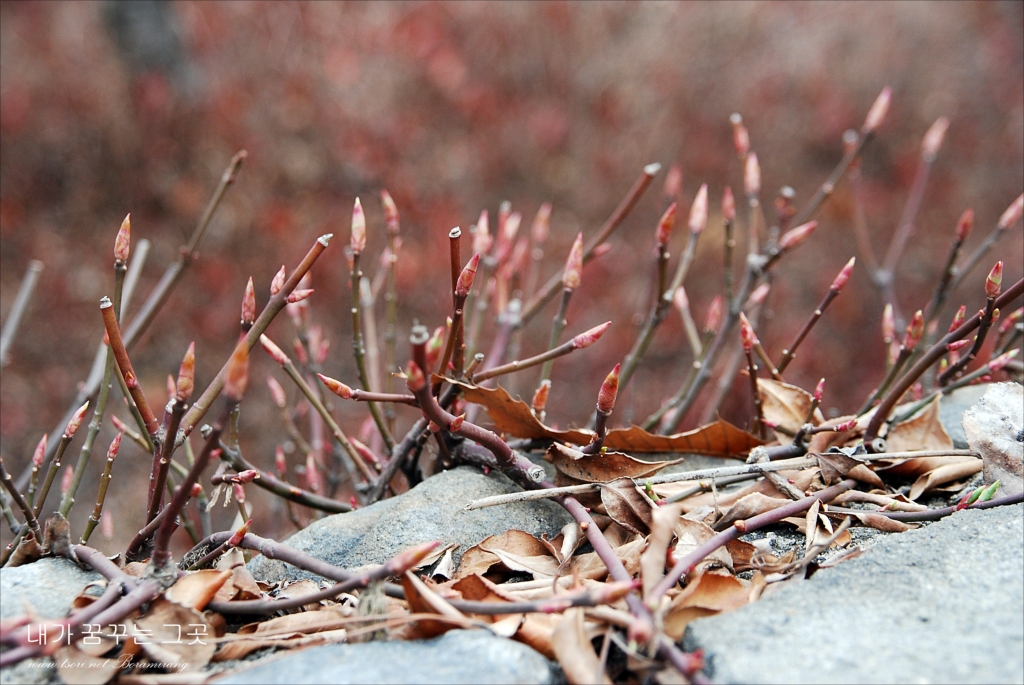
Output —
<point x="458" y="656"/>
<point x="433" y="510"/>
<point x="952" y="408"/>
<point x="49" y="585"/>
<point x="994" y="427"/>
<point x="939" y="604"/>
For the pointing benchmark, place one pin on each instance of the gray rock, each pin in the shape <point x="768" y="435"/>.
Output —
<point x="952" y="408"/>
<point x="939" y="604"/>
<point x="49" y="585"/>
<point x="995" y="428"/>
<point x="433" y="510"/>
<point x="458" y="656"/>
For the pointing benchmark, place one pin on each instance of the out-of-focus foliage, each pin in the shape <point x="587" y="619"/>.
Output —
<point x="453" y="108"/>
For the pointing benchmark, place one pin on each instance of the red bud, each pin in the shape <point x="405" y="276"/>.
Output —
<point x="76" y="421"/>
<point x="299" y="295"/>
<point x="673" y="182"/>
<point x="465" y="282"/>
<point x="541" y="224"/>
<point x="847" y="426"/>
<point x="197" y="489"/>
<point x="186" y="374"/>
<point x="1012" y="213"/>
<point x="278" y="282"/>
<point x="957" y="345"/>
<point x="876" y="115"/>
<point x="337" y="387"/>
<point x="65" y="481"/>
<point x="123" y="241"/>
<point x="40" y="452"/>
<point x="274" y="351"/>
<point x="456" y="425"/>
<point x="759" y="295"/>
<point x="482" y="240"/>
<point x="740" y="136"/>
<point x="933" y="139"/>
<point x="573" y="274"/>
<point x="994" y="281"/>
<point x="680" y="300"/>
<point x="958" y="318"/>
<point x="415" y="380"/>
<point x="588" y="338"/>
<point x="236" y="539"/>
<point x="752" y="175"/>
<point x="358" y="240"/>
<point x="249" y="304"/>
<point x="540" y="397"/>
<point x="728" y="205"/>
<point x="795" y="236"/>
<point x="699" y="210"/>
<point x="390" y="212"/>
<point x="1013" y="318"/>
<point x="714" y="316"/>
<point x="107" y="525"/>
<point x="915" y="329"/>
<point x="277" y="392"/>
<point x="819" y="390"/>
<point x="115" y="445"/>
<point x="313" y="480"/>
<point x="668" y="220"/>
<point x="280" y="465"/>
<point x="747" y="336"/>
<point x="609" y="389"/>
<point x="844" y="275"/>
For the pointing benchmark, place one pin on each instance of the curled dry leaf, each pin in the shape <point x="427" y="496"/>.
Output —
<point x="749" y="505"/>
<point x="628" y="506"/>
<point x="242" y="585"/>
<point x="27" y="551"/>
<point x="196" y="589"/>
<point x="692" y="534"/>
<point x="75" y="665"/>
<point x="513" y="544"/>
<point x="882" y="523"/>
<point x="513" y="416"/>
<point x="423" y="600"/>
<point x="947" y="473"/>
<point x="575" y="654"/>
<point x="708" y="593"/>
<point x="589" y="566"/>
<point x="652" y="560"/>
<point x="786" y="405"/>
<point x="603" y="467"/>
<point x="285" y="632"/>
<point x="835" y="466"/>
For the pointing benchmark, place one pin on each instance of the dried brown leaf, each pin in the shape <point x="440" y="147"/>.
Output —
<point x="946" y="473"/>
<point x="513" y="416"/>
<point x="628" y="506"/>
<point x="301" y="588"/>
<point x="77" y="666"/>
<point x="652" y="560"/>
<point x="423" y="600"/>
<point x="575" y="654"/>
<point x="710" y="592"/>
<point x="27" y="551"/>
<point x="750" y="505"/>
<point x="603" y="467"/>
<point x="481" y="557"/>
<point x="196" y="589"/>
<point x="786" y="405"/>
<point x="57" y="538"/>
<point x="922" y="432"/>
<point x="692" y="534"/>
<point x="174" y="634"/>
<point x="590" y="566"/>
<point x="537" y="631"/>
<point x="717" y="439"/>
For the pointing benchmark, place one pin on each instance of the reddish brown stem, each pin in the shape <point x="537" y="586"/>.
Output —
<point x="124" y="365"/>
<point x="790" y="352"/>
<point x="979" y="340"/>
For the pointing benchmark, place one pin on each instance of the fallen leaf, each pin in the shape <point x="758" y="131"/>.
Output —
<point x="922" y="432"/>
<point x="575" y="654"/>
<point x="27" y="551"/>
<point x="692" y="534"/>
<point x="590" y="566"/>
<point x="57" y="538"/>
<point x="628" y="506"/>
<point x="786" y="405"/>
<point x="537" y="631"/>
<point x="750" y="505"/>
<point x="944" y="474"/>
<point x="299" y="589"/>
<point x="540" y="566"/>
<point x="517" y="543"/>
<point x="718" y="439"/>
<point x="602" y="467"/>
<point x="328" y="618"/>
<point x="174" y="634"/>
<point x="708" y="593"/>
<point x="652" y="560"/>
<point x="446" y="567"/>
<point x="513" y="416"/>
<point x="423" y="600"/>
<point x="196" y="589"/>
<point x="79" y="667"/>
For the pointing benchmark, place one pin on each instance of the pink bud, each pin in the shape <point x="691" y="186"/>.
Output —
<point x="237" y="376"/>
<point x="40" y="452"/>
<point x="364" y="451"/>
<point x="511" y="227"/>
<point x="819" y="390"/>
<point x="280" y="465"/>
<point x="673" y="182"/>
<point x="795" y="236"/>
<point x="915" y="329"/>
<point x="482" y="240"/>
<point x="433" y="427"/>
<point x="680" y="300"/>
<point x="313" y="480"/>
<point x="115" y="445"/>
<point x="337" y="387"/>
<point x="714" y="316"/>
<point x="573" y="274"/>
<point x="1012" y="213"/>
<point x="390" y="212"/>
<point x="728" y="205"/>
<point x="239" y="492"/>
<point x="541" y="224"/>
<point x="609" y="389"/>
<point x="456" y="425"/>
<point x="249" y="304"/>
<point x="844" y="275"/>
<point x="540" y="397"/>
<point x="740" y="137"/>
<point x="933" y="139"/>
<point x="958" y="318"/>
<point x="299" y="295"/>
<point x="1013" y="318"/>
<point x="247" y="476"/>
<point x="274" y="351"/>
<point x="300" y="351"/>
<point x="1002" y="360"/>
<point x="759" y="295"/>
<point x="123" y="241"/>
<point x="752" y="175"/>
<point x="278" y="282"/>
<point x="589" y="337"/>
<point x="876" y="115"/>
<point x="964" y="224"/>
<point x="197" y="489"/>
<point x="601" y="250"/>
<point x="994" y="281"/>
<point x="76" y="421"/>
<point x="747" y="336"/>
<point x="277" y="392"/>
<point x="668" y="220"/>
<point x="465" y="282"/>
<point x="236" y="539"/>
<point x="358" y="240"/>
<point x="415" y="380"/>
<point x="847" y="426"/>
<point x="957" y="345"/>
<point x="699" y="210"/>
<point x="186" y="374"/>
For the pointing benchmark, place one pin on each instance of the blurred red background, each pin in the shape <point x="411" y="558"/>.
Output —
<point x="454" y="107"/>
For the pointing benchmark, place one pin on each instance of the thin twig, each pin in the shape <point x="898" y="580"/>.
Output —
<point x="18" y="308"/>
